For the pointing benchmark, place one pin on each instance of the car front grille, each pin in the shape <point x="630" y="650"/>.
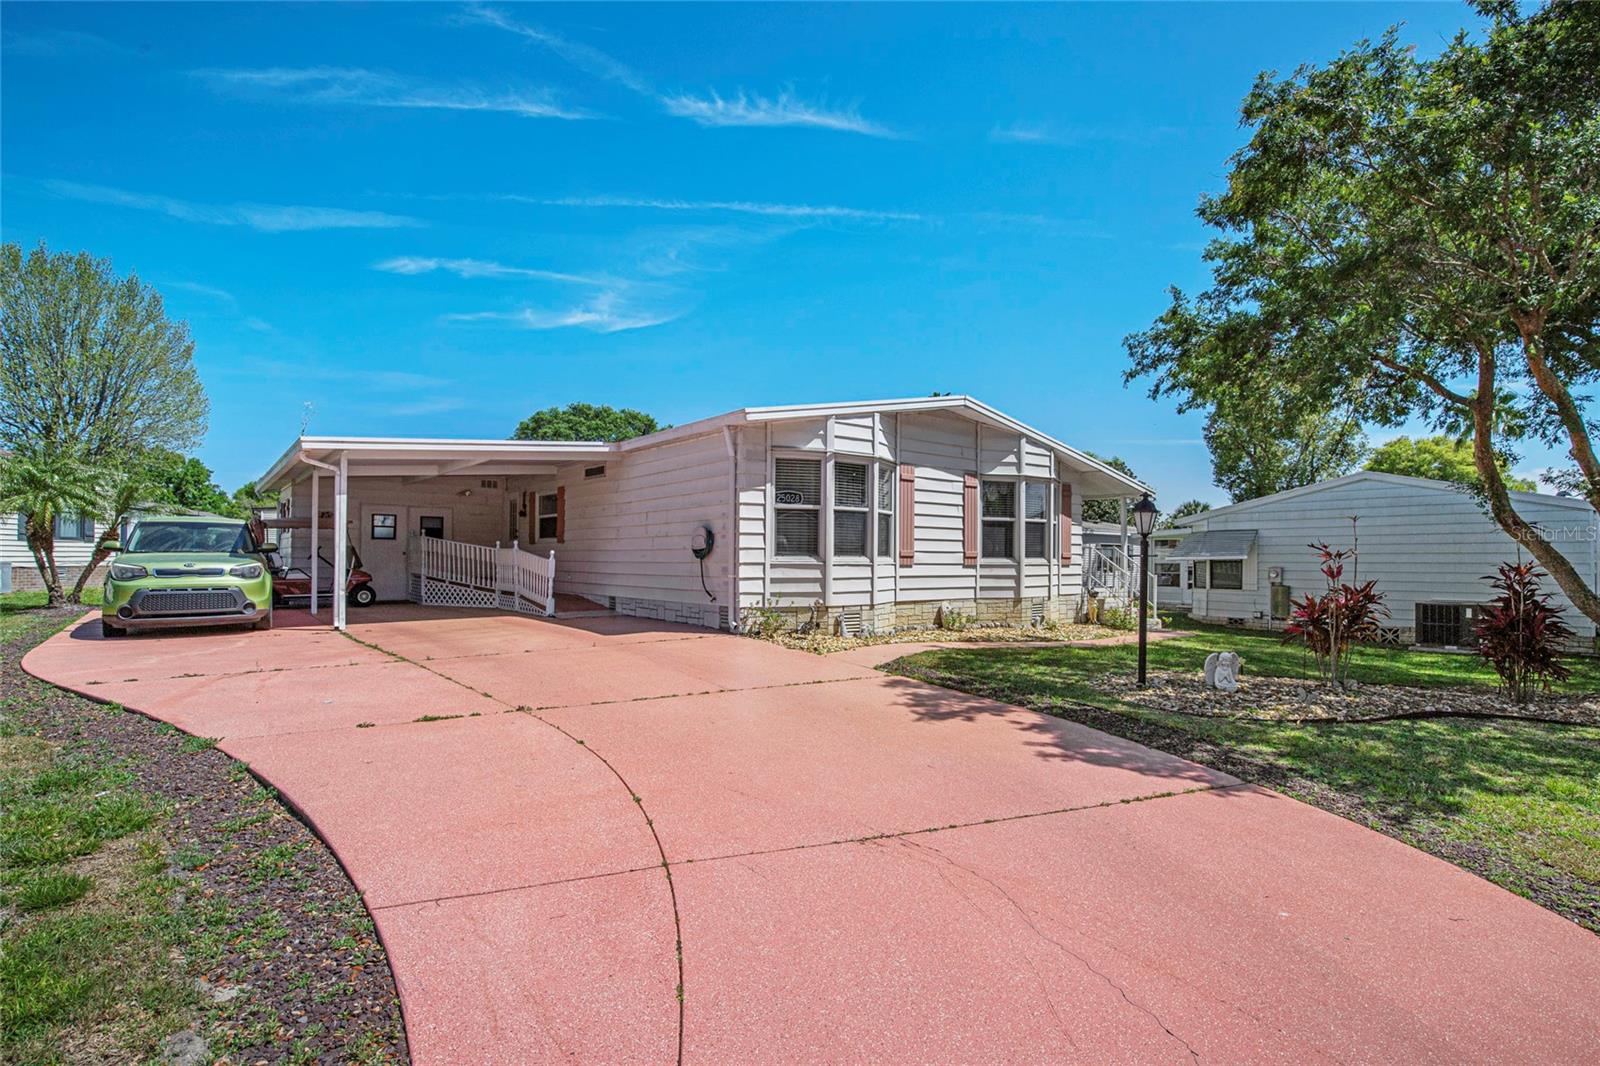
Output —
<point x="170" y="571"/>
<point x="188" y="601"/>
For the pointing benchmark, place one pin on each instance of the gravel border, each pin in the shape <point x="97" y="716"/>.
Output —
<point x="1286" y="699"/>
<point x="319" y="978"/>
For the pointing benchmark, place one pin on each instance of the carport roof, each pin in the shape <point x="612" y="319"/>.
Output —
<point x="395" y="456"/>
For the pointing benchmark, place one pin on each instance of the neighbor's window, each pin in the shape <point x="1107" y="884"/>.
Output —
<point x="886" y="511"/>
<point x="547" y="517"/>
<point x="999" y="519"/>
<point x="1036" y="516"/>
<point x="1200" y="571"/>
<point x="67" y="527"/>
<point x="384" y="527"/>
<point x="850" y="509"/>
<point x="1169" y="575"/>
<point x="797" y="506"/>
<point x="1227" y="573"/>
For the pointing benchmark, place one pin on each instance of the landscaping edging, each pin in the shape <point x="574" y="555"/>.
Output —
<point x="281" y="952"/>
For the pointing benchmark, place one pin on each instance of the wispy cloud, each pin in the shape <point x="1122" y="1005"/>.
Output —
<point x="268" y="218"/>
<point x="1045" y="133"/>
<point x="477" y="268"/>
<point x="59" y="42"/>
<point x="608" y="312"/>
<point x="582" y="56"/>
<point x="210" y="291"/>
<point x="437" y="405"/>
<point x="325" y="370"/>
<point x="785" y="109"/>
<point x="743" y="207"/>
<point x="357" y="87"/>
<point x="708" y="109"/>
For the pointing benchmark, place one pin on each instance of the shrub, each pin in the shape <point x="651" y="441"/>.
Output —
<point x="1521" y="633"/>
<point x="1332" y="624"/>
<point x="1119" y="618"/>
<point x="952" y="618"/>
<point x="764" y="619"/>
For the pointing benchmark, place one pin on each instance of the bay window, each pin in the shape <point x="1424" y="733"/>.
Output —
<point x="850" y="509"/>
<point x="886" y="511"/>
<point x="1036" y="517"/>
<point x="797" y="507"/>
<point x="999" y="511"/>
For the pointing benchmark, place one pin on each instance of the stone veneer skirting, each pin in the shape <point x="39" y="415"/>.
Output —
<point x="924" y="614"/>
<point x="25" y="577"/>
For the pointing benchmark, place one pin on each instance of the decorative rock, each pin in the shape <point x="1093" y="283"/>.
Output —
<point x="185" y="1048"/>
<point x="219" y="993"/>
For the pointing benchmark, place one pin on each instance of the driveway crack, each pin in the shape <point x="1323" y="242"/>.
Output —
<point x="666" y="866"/>
<point x="1028" y="919"/>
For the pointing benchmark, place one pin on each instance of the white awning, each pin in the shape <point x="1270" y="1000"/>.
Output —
<point x="1217" y="544"/>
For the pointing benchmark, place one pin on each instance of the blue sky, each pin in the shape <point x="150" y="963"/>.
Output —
<point x="433" y="220"/>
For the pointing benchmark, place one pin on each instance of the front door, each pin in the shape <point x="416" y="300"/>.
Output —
<point x="385" y="531"/>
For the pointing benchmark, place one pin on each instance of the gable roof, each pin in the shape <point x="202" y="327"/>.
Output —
<point x="1420" y="484"/>
<point x="511" y="451"/>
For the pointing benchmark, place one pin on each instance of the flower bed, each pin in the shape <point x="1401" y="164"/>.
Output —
<point x="823" y="643"/>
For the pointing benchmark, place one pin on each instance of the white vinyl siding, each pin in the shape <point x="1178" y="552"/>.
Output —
<point x="1420" y="542"/>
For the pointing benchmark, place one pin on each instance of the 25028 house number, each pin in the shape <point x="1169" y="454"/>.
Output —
<point x="789" y="497"/>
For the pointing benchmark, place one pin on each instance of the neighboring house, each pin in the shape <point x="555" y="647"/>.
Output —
<point x="75" y="539"/>
<point x="1428" y="544"/>
<point x="861" y="516"/>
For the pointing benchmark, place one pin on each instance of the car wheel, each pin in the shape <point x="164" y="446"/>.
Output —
<point x="111" y="632"/>
<point x="265" y="622"/>
<point x="363" y="596"/>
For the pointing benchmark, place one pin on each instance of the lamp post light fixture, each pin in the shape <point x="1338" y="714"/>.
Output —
<point x="1144" y="520"/>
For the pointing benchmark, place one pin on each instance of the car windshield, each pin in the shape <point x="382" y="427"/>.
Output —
<point x="158" y="536"/>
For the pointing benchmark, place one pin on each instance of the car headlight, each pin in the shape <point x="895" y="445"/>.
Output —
<point x="248" y="570"/>
<point x="127" y="572"/>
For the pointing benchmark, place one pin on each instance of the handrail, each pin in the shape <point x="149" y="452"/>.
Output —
<point x="456" y="573"/>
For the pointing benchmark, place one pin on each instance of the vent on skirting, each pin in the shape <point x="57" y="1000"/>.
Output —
<point x="1036" y="612"/>
<point x="611" y="603"/>
<point x="850" y="623"/>
<point x="722" y="618"/>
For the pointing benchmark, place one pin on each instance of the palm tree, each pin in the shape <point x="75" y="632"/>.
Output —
<point x="119" y="495"/>
<point x="40" y="486"/>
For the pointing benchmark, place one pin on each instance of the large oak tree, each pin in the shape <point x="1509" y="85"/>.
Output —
<point x="1407" y="237"/>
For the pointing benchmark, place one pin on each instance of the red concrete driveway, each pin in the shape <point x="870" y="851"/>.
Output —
<point x="857" y="867"/>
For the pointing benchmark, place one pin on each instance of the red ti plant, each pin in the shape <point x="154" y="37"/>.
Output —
<point x="1521" y="632"/>
<point x="1335" y="622"/>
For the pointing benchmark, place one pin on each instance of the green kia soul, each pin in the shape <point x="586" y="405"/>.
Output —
<point x="177" y="571"/>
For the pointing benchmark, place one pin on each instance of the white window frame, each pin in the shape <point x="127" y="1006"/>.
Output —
<point x="824" y="489"/>
<point x="540" y="514"/>
<point x="886" y="474"/>
<point x="1013" y="519"/>
<point x="864" y="509"/>
<point x="1022" y="513"/>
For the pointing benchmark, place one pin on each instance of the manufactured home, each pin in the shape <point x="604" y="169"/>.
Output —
<point x="74" y="547"/>
<point x="863" y="516"/>
<point x="1428" y="544"/>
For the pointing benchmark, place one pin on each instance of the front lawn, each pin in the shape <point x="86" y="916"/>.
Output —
<point x="1515" y="802"/>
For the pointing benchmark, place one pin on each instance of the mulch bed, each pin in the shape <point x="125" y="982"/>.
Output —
<point x="319" y="978"/>
<point x="1282" y="699"/>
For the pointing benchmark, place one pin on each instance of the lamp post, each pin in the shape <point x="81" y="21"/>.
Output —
<point x="1144" y="519"/>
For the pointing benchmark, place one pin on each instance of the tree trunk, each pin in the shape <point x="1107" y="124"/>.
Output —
<point x="96" y="557"/>
<point x="42" y="543"/>
<point x="1557" y="565"/>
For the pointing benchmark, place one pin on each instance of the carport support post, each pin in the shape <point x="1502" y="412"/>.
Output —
<point x="341" y="539"/>
<point x="316" y="506"/>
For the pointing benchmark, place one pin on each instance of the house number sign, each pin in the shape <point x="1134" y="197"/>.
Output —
<point x="789" y="497"/>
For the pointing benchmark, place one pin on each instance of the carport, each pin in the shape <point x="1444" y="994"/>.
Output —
<point x="465" y="493"/>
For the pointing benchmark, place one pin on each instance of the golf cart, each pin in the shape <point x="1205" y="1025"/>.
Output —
<point x="291" y="585"/>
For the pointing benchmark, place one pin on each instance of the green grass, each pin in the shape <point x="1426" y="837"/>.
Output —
<point x="93" y="596"/>
<point x="1071" y="672"/>
<point x="1517" y="802"/>
<point x="84" y="965"/>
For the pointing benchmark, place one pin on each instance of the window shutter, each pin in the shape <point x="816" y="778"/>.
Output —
<point x="969" y="520"/>
<point x="1066" y="524"/>
<point x="561" y="514"/>
<point x="908" y="514"/>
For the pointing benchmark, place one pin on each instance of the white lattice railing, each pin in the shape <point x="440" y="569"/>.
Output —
<point x="453" y="573"/>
